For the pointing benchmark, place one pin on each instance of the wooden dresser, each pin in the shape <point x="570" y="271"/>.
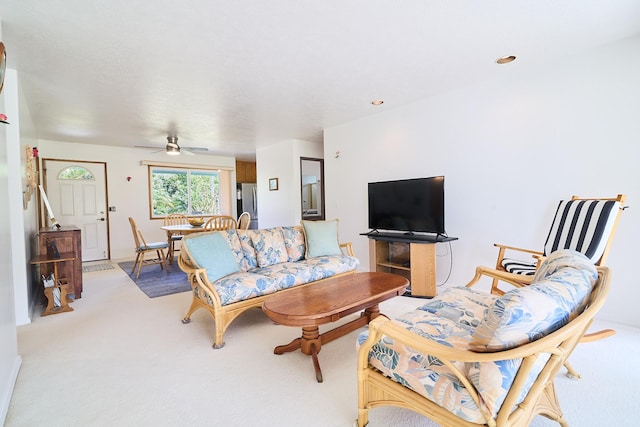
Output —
<point x="67" y="241"/>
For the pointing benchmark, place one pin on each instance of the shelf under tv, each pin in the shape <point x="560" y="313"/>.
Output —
<point x="410" y="255"/>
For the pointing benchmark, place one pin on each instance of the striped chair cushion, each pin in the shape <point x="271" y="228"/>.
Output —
<point x="580" y="225"/>
<point x="583" y="226"/>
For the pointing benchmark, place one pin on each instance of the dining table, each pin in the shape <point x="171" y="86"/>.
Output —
<point x="180" y="229"/>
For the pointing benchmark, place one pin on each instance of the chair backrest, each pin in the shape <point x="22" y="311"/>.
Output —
<point x="137" y="234"/>
<point x="586" y="226"/>
<point x="243" y="221"/>
<point x="175" y="219"/>
<point x="221" y="222"/>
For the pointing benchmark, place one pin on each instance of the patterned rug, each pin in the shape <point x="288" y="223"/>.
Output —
<point x="155" y="282"/>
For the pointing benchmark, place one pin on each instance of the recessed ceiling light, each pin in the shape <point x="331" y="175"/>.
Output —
<point x="377" y="102"/>
<point x="506" y="59"/>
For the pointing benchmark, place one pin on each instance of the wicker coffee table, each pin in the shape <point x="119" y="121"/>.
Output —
<point x="328" y="301"/>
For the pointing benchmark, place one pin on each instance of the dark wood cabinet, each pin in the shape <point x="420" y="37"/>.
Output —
<point x="53" y="244"/>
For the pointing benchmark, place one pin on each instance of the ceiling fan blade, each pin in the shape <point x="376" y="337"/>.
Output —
<point x="147" y="147"/>
<point x="193" y="150"/>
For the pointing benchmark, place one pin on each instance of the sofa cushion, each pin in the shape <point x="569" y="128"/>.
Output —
<point x="236" y="248"/>
<point x="294" y="242"/>
<point x="526" y="314"/>
<point x="242" y="286"/>
<point x="330" y="265"/>
<point x="269" y="246"/>
<point x="321" y="238"/>
<point x="250" y="258"/>
<point x="200" y="247"/>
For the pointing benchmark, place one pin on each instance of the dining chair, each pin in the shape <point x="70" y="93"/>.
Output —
<point x="244" y="220"/>
<point x="142" y="248"/>
<point x="220" y="222"/>
<point x="174" y="237"/>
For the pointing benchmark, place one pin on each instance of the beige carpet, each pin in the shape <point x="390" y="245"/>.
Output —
<point x="123" y="359"/>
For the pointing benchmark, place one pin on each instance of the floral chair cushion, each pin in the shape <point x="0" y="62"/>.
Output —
<point x="425" y="374"/>
<point x="463" y="305"/>
<point x="526" y="314"/>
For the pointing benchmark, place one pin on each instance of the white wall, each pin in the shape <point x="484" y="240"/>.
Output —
<point x="130" y="198"/>
<point x="510" y="149"/>
<point x="9" y="359"/>
<point x="282" y="161"/>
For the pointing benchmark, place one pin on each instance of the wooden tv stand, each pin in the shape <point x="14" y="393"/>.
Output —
<point x="409" y="255"/>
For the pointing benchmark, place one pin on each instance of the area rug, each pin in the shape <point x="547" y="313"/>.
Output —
<point x="155" y="282"/>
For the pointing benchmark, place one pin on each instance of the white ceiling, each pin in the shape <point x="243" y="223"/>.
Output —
<point x="234" y="75"/>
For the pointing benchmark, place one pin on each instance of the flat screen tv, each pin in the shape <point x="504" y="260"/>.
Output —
<point x="409" y="205"/>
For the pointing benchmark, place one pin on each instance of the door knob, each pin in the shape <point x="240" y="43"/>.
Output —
<point x="100" y="219"/>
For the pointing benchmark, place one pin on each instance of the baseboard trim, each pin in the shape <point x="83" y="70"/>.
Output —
<point x="7" y="390"/>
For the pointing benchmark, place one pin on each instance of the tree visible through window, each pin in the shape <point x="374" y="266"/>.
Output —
<point x="186" y="191"/>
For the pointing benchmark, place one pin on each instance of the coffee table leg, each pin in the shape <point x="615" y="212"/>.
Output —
<point x="293" y="345"/>
<point x="311" y="344"/>
<point x="316" y="363"/>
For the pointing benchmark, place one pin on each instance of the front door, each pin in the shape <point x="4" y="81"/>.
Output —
<point x="77" y="193"/>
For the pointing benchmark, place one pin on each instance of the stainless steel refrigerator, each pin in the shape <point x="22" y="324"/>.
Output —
<point x="247" y="195"/>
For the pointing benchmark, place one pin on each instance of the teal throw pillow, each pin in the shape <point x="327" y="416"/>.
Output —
<point x="321" y="238"/>
<point x="211" y="252"/>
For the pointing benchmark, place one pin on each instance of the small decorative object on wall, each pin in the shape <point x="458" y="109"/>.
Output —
<point x="3" y="66"/>
<point x="32" y="176"/>
<point x="3" y="119"/>
<point x="273" y="184"/>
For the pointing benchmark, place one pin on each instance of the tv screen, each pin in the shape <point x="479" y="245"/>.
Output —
<point x="410" y="205"/>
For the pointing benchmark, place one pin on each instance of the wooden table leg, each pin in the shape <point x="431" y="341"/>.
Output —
<point x="170" y="250"/>
<point x="310" y="344"/>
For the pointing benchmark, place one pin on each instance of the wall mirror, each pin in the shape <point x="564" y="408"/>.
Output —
<point x="312" y="188"/>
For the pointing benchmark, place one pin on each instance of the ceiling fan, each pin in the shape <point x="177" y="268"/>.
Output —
<point x="174" y="149"/>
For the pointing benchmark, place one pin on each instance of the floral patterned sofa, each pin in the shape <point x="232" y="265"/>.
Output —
<point x="232" y="271"/>
<point x="469" y="358"/>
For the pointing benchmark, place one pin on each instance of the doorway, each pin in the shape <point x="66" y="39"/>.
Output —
<point x="77" y="193"/>
<point x="312" y="188"/>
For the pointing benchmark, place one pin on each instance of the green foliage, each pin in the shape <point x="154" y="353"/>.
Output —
<point x="185" y="191"/>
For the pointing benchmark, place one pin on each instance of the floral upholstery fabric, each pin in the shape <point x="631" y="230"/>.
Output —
<point x="269" y="246"/>
<point x="526" y="314"/>
<point x="451" y="319"/>
<point x="463" y="305"/>
<point x="289" y="274"/>
<point x="425" y="374"/>
<point x="330" y="265"/>
<point x="294" y="242"/>
<point x="250" y="259"/>
<point x="242" y="286"/>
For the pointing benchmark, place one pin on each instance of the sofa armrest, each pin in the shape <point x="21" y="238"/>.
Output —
<point x="199" y="281"/>
<point x="347" y="248"/>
